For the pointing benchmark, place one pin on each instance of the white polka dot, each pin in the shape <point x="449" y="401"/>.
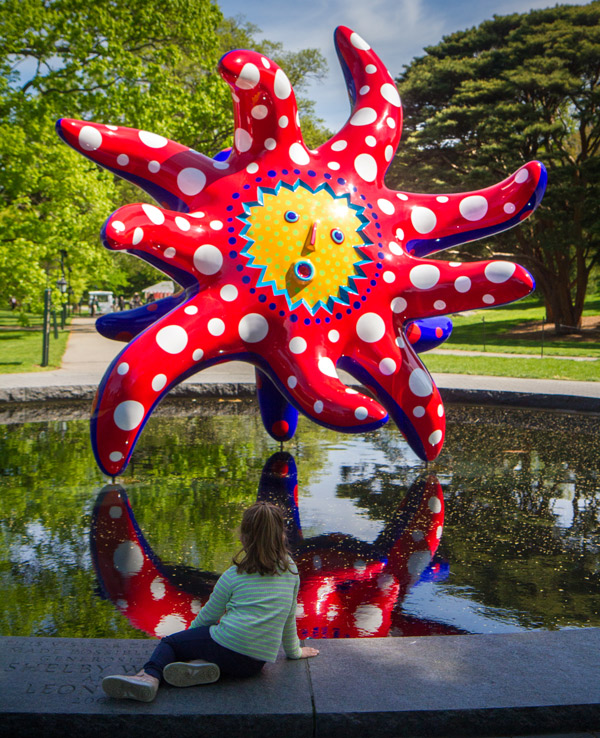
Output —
<point x="270" y="144"/>
<point x="216" y="327"/>
<point x="318" y="407"/>
<point x="115" y="456"/>
<point x="418" y="535"/>
<point x="389" y="153"/>
<point x="191" y="181"/>
<point x="197" y="214"/>
<point x="298" y="345"/>
<point x="434" y="503"/>
<point x="438" y="531"/>
<point x="442" y="198"/>
<point x="398" y="305"/>
<point x="195" y="607"/>
<point x="190" y="310"/>
<point x="391" y="122"/>
<point x="435" y="437"/>
<point x="389" y="277"/>
<point x="370" y="327"/>
<point x="292" y="382"/>
<point x="112" y="128"/>
<point x="154" y="214"/>
<point x="169" y="624"/>
<point x="462" y="284"/>
<point x="366" y="167"/>
<point x="368" y="619"/>
<point x="419" y="411"/>
<point x="128" y="415"/>
<point x="371" y="141"/>
<point x="424" y="276"/>
<point x="229" y="292"/>
<point x="395" y="248"/>
<point x="387" y="366"/>
<point x="327" y="367"/>
<point x="358" y="42"/>
<point x="509" y="208"/>
<point x="259" y="112"/>
<point x="170" y="252"/>
<point x="390" y="94"/>
<point x="282" y="86"/>
<point x="333" y="336"/>
<point x="499" y="271"/>
<point x="242" y="139"/>
<point x="117" y="226"/>
<point x="420" y="383"/>
<point x="284" y="121"/>
<point x="159" y="382"/>
<point x="522" y="176"/>
<point x="370" y="69"/>
<point x="153" y="166"/>
<point x="364" y="89"/>
<point x="128" y="558"/>
<point x="123" y="368"/>
<point x="182" y="223"/>
<point x="249" y="77"/>
<point x="216" y="225"/>
<point x="265" y="62"/>
<point x="351" y="391"/>
<point x="198" y="354"/>
<point x="361" y="413"/>
<point x="172" y="339"/>
<point x="339" y="145"/>
<point x="253" y="328"/>
<point x="440" y="411"/>
<point x="455" y="264"/>
<point x="122" y="160"/>
<point x="252" y="168"/>
<point x="138" y="234"/>
<point x="401" y="196"/>
<point x="333" y="165"/>
<point x="473" y="207"/>
<point x="400" y="342"/>
<point x="208" y="259"/>
<point x="153" y="140"/>
<point x="90" y="138"/>
<point x="439" y="305"/>
<point x="363" y="117"/>
<point x="488" y="299"/>
<point x="298" y="154"/>
<point x="386" y="206"/>
<point x="417" y="562"/>
<point x="157" y="588"/>
<point x="423" y="219"/>
<point x="221" y="164"/>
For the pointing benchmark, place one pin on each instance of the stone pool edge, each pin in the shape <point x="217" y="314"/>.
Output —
<point x="476" y="685"/>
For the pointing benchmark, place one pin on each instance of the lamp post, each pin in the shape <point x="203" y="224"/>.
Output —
<point x="62" y="286"/>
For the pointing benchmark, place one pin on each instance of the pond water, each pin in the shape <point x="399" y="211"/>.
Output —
<point x="501" y="533"/>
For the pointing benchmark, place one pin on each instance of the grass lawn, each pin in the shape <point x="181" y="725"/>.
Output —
<point x="21" y="348"/>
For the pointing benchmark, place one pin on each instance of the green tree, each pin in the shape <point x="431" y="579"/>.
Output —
<point x="484" y="101"/>
<point x="136" y="63"/>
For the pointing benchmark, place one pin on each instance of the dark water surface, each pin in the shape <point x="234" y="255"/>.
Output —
<point x="501" y="533"/>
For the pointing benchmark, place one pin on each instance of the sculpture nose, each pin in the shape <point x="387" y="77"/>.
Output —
<point x="311" y="237"/>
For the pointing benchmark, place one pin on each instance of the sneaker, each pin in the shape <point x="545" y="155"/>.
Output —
<point x="141" y="688"/>
<point x="190" y="673"/>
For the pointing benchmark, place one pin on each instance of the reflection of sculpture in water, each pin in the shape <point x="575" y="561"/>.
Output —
<point x="348" y="588"/>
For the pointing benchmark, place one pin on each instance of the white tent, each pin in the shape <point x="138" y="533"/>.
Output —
<point x="161" y="288"/>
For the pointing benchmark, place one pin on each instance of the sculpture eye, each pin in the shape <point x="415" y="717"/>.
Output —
<point x="337" y="235"/>
<point x="291" y="216"/>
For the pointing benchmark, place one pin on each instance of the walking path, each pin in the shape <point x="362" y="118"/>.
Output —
<point x="88" y="355"/>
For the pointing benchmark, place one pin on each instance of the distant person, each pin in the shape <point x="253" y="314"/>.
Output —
<point x="13" y="302"/>
<point x="136" y="302"/>
<point x="121" y="302"/>
<point x="250" y="613"/>
<point x="93" y="303"/>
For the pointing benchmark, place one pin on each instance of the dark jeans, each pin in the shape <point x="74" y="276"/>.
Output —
<point x="196" y="643"/>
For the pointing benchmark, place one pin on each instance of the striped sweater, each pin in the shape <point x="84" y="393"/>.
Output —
<point x="253" y="614"/>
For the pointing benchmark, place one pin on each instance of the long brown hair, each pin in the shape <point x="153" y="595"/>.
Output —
<point x="264" y="541"/>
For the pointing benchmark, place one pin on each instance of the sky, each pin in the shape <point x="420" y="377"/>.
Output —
<point x="397" y="30"/>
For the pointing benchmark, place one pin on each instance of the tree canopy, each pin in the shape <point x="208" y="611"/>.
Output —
<point x="138" y="63"/>
<point x="484" y="101"/>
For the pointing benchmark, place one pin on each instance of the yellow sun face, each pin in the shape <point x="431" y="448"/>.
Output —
<point x="307" y="244"/>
